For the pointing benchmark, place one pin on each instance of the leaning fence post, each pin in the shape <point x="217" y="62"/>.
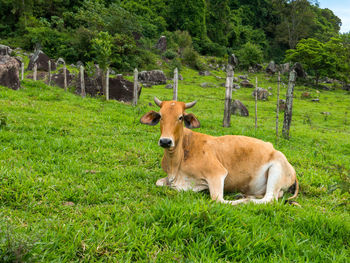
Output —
<point x="35" y="71"/>
<point x="136" y="75"/>
<point x="49" y="72"/>
<point x="256" y="103"/>
<point x="278" y="102"/>
<point x="289" y="105"/>
<point x="107" y="84"/>
<point x="65" y="76"/>
<point x="82" y="82"/>
<point x="176" y="78"/>
<point x="228" y="97"/>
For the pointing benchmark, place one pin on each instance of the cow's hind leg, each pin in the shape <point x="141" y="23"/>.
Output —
<point x="272" y="185"/>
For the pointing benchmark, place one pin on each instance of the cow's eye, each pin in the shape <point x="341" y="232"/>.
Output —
<point x="181" y="118"/>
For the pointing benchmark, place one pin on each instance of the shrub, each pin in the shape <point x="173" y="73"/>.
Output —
<point x="170" y="54"/>
<point x="249" y="55"/>
<point x="192" y="59"/>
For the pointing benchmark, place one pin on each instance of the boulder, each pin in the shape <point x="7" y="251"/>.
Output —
<point x="235" y="79"/>
<point x="58" y="79"/>
<point x="204" y="73"/>
<point x="153" y="77"/>
<point x="271" y="68"/>
<point x="238" y="108"/>
<point x="79" y="64"/>
<point x="346" y="87"/>
<point x="60" y="61"/>
<point x="9" y="72"/>
<point x="246" y="84"/>
<point x="299" y="70"/>
<point x="257" y="67"/>
<point x="42" y="61"/>
<point x="282" y="105"/>
<point x="181" y="77"/>
<point x="122" y="89"/>
<point x="285" y="68"/>
<point x="5" y="50"/>
<point x="244" y="77"/>
<point x="93" y="84"/>
<point x="262" y="94"/>
<point x="305" y="95"/>
<point x="207" y="85"/>
<point x="236" y="86"/>
<point x="233" y="61"/>
<point x="161" y="45"/>
<point x="169" y="86"/>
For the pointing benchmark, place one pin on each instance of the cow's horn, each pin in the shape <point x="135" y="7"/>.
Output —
<point x="190" y="104"/>
<point x="157" y="101"/>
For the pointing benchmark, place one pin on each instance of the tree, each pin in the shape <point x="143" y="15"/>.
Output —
<point x="297" y="20"/>
<point x="102" y="46"/>
<point x="319" y="59"/>
<point x="249" y="55"/>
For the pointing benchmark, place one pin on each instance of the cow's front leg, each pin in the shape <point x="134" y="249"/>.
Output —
<point x="163" y="182"/>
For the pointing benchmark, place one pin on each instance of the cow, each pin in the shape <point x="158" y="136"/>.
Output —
<point x="196" y="161"/>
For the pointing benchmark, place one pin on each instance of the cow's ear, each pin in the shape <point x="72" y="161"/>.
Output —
<point x="191" y="121"/>
<point x="150" y="118"/>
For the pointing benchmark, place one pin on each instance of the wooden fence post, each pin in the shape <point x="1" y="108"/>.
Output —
<point x="49" y="72"/>
<point x="136" y="75"/>
<point x="289" y="105"/>
<point x="35" y="71"/>
<point x="65" y="77"/>
<point x="107" y="84"/>
<point x="256" y="103"/>
<point x="278" y="101"/>
<point x="176" y="78"/>
<point x="82" y="82"/>
<point x="228" y="97"/>
<point x="22" y="70"/>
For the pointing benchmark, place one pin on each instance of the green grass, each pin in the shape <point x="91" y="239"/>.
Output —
<point x="77" y="181"/>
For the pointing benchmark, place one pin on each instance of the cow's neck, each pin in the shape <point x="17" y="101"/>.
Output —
<point x="174" y="157"/>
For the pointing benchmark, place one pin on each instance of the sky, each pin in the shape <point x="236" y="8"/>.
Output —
<point x="341" y="8"/>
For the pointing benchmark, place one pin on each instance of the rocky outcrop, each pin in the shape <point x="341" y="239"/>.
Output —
<point x="285" y="68"/>
<point x="122" y="89"/>
<point x="9" y="72"/>
<point x="153" y="77"/>
<point x="93" y="83"/>
<point x="299" y="70"/>
<point x="246" y="84"/>
<point x="161" y="45"/>
<point x="262" y="94"/>
<point x="271" y="68"/>
<point x="5" y="50"/>
<point x="232" y="60"/>
<point x="58" y="79"/>
<point x="42" y="61"/>
<point x="204" y="73"/>
<point x="238" y="108"/>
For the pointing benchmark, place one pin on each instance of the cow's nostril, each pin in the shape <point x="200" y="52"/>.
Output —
<point x="165" y="142"/>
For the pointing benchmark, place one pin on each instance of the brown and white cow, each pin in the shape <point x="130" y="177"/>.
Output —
<point x="196" y="161"/>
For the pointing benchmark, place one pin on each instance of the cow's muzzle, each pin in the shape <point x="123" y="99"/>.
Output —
<point x="166" y="142"/>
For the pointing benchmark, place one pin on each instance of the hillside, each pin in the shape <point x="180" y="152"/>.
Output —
<point x="78" y="180"/>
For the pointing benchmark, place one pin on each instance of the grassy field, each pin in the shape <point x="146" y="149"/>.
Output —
<point x="77" y="181"/>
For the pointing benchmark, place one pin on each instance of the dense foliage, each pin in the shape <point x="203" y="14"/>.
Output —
<point x="66" y="28"/>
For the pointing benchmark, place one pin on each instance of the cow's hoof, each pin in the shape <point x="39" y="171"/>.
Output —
<point x="161" y="182"/>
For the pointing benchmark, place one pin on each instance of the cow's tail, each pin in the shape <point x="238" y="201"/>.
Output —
<point x="295" y="186"/>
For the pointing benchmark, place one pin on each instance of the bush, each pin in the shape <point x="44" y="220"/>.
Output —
<point x="249" y="55"/>
<point x="192" y="59"/>
<point x="170" y="54"/>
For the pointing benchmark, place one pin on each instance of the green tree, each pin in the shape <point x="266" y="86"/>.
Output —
<point x="320" y="59"/>
<point x="102" y="46"/>
<point x="249" y="55"/>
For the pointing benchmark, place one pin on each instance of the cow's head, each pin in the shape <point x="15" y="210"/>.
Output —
<point x="172" y="117"/>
